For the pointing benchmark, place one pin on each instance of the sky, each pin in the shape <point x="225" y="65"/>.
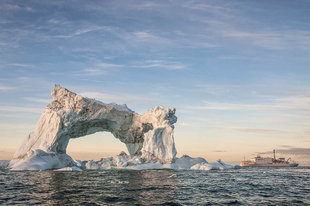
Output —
<point x="237" y="72"/>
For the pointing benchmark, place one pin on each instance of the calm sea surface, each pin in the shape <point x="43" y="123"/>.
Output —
<point x="251" y="186"/>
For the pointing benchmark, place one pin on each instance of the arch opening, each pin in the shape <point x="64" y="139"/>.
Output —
<point x="95" y="146"/>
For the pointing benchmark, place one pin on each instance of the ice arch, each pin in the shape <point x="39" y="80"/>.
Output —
<point x="69" y="115"/>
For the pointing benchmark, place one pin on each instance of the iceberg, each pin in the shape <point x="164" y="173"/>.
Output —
<point x="149" y="138"/>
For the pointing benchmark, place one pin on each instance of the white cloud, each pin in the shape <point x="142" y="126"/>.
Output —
<point x="84" y="30"/>
<point x="98" y="69"/>
<point x="109" y="65"/>
<point x="20" y="109"/>
<point x="292" y="151"/>
<point x="20" y="65"/>
<point x="5" y="88"/>
<point x="251" y="130"/>
<point x="144" y="35"/>
<point x="146" y="38"/>
<point x="15" y="7"/>
<point x="285" y="103"/>
<point x="13" y="126"/>
<point x="184" y="124"/>
<point x="91" y="72"/>
<point x="39" y="100"/>
<point x="159" y="64"/>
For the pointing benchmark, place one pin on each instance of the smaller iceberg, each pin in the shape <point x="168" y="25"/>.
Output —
<point x="186" y="162"/>
<point x="219" y="165"/>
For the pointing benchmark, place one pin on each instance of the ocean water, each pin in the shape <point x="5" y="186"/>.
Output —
<point x="246" y="186"/>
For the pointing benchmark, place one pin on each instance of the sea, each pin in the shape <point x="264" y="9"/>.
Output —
<point x="245" y="186"/>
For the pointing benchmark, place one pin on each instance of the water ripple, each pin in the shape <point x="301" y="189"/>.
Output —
<point x="247" y="186"/>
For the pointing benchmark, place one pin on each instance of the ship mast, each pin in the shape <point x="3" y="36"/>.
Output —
<point x="274" y="154"/>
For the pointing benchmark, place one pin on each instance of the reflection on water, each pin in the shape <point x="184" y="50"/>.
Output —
<point x="96" y="187"/>
<point x="285" y="186"/>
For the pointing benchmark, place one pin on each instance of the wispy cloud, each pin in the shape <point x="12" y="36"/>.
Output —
<point x="219" y="151"/>
<point x="286" y="146"/>
<point x="13" y="126"/>
<point x="228" y="22"/>
<point x="20" y="109"/>
<point x="6" y="88"/>
<point x="285" y="103"/>
<point x="160" y="64"/>
<point x="109" y="65"/>
<point x="98" y="69"/>
<point x="292" y="151"/>
<point x="183" y="124"/>
<point x="270" y="38"/>
<point x="20" y="65"/>
<point x="91" y="72"/>
<point x="84" y="30"/>
<point x="251" y="130"/>
<point x="39" y="100"/>
<point x="15" y="7"/>
<point x="147" y="38"/>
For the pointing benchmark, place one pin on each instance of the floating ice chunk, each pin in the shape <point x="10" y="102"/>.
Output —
<point x="69" y="169"/>
<point x="106" y="163"/>
<point x="202" y="166"/>
<point x="121" y="159"/>
<point x="186" y="162"/>
<point x="91" y="165"/>
<point x="219" y="165"/>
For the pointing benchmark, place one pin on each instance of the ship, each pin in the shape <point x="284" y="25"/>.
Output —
<point x="259" y="161"/>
